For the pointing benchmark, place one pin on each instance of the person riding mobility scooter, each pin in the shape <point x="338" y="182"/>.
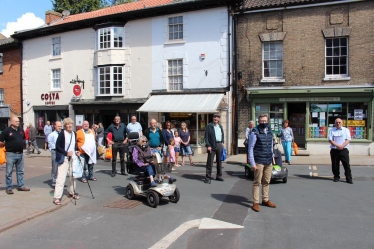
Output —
<point x="142" y="163"/>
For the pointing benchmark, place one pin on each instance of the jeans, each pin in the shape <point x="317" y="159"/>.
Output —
<point x="147" y="169"/>
<point x="88" y="166"/>
<point x="11" y="160"/>
<point x="33" y="143"/>
<point x="121" y="148"/>
<point x="54" y="166"/>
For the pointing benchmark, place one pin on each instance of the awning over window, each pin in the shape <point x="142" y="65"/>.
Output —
<point x="193" y="103"/>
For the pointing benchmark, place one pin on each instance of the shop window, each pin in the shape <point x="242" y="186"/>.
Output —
<point x="337" y="57"/>
<point x="112" y="37"/>
<point x="56" y="46"/>
<point x="272" y="60"/>
<point x="175" y="28"/>
<point x="110" y="80"/>
<point x="323" y="115"/>
<point x="1" y="97"/>
<point x="56" y="79"/>
<point x="175" y="74"/>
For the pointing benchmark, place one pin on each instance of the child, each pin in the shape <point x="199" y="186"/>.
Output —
<point x="177" y="146"/>
<point x="171" y="153"/>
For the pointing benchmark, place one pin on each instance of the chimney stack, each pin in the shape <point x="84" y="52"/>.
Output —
<point x="51" y="16"/>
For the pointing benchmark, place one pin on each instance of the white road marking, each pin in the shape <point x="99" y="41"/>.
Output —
<point x="205" y="223"/>
<point x="310" y="174"/>
<point x="86" y="220"/>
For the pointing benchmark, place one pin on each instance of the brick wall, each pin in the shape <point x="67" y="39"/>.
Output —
<point x="304" y="47"/>
<point x="10" y="79"/>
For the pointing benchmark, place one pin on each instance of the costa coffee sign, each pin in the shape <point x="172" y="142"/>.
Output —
<point x="50" y="98"/>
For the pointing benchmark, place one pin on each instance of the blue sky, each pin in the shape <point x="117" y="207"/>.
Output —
<point x="11" y="12"/>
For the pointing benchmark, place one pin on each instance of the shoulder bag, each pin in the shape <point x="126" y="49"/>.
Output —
<point x="62" y="159"/>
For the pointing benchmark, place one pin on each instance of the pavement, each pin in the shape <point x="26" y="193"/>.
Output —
<point x="23" y="206"/>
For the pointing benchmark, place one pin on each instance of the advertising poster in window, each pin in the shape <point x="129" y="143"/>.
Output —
<point x="79" y="121"/>
<point x="358" y="114"/>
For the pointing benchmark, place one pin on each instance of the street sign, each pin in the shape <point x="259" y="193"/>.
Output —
<point x="77" y="90"/>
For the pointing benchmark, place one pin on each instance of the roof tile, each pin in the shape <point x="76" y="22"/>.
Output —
<point x="126" y="7"/>
<point x="254" y="4"/>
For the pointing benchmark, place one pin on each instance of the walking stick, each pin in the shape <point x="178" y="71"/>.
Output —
<point x="71" y="176"/>
<point x="79" y="158"/>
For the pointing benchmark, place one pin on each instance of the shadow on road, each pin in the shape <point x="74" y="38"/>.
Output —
<point x="235" y="199"/>
<point x="313" y="177"/>
<point x="194" y="177"/>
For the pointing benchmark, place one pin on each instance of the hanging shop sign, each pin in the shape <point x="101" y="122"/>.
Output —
<point x="309" y="99"/>
<point x="77" y="90"/>
<point x="50" y="98"/>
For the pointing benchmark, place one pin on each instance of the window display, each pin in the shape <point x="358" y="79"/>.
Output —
<point x="323" y="115"/>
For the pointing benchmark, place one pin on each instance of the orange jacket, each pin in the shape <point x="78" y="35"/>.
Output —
<point x="81" y="138"/>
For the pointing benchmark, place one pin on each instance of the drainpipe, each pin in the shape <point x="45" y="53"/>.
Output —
<point x="235" y="24"/>
<point x="21" y="68"/>
<point x="229" y="142"/>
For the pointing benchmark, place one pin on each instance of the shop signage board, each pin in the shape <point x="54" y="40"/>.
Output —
<point x="179" y="115"/>
<point x="309" y="99"/>
<point x="77" y="90"/>
<point x="4" y="112"/>
<point x="50" y="98"/>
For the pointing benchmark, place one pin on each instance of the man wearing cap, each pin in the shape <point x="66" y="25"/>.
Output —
<point x="214" y="141"/>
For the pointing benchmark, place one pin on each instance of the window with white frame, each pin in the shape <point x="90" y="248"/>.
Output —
<point x="175" y="74"/>
<point x="272" y="60"/>
<point x="111" y="37"/>
<point x="175" y="25"/>
<point x="337" y="57"/>
<point x="110" y="80"/>
<point x="56" y="46"/>
<point x="56" y="79"/>
<point x="1" y="96"/>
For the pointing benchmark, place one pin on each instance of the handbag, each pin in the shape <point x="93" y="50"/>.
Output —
<point x="78" y="164"/>
<point x="295" y="148"/>
<point x="224" y="155"/>
<point x="245" y="142"/>
<point x="101" y="150"/>
<point x="2" y="155"/>
<point x="62" y="159"/>
<point x="108" y="153"/>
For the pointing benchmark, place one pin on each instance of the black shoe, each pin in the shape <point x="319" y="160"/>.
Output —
<point x="39" y="152"/>
<point x="218" y="178"/>
<point x="124" y="173"/>
<point x="350" y="181"/>
<point x="113" y="174"/>
<point x="207" y="180"/>
<point x="336" y="179"/>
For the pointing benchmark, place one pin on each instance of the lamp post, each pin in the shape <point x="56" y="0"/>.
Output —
<point x="77" y="81"/>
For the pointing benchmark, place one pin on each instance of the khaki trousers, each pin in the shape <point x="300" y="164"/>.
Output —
<point x="63" y="170"/>
<point x="262" y="176"/>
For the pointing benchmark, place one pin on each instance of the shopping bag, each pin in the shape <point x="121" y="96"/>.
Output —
<point x="2" y="155"/>
<point x="224" y="155"/>
<point x="108" y="153"/>
<point x="101" y="149"/>
<point x="78" y="165"/>
<point x="295" y="148"/>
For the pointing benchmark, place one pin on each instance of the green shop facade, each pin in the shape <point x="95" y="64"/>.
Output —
<point x="312" y="111"/>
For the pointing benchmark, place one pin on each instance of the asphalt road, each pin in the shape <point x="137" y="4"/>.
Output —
<point x="312" y="212"/>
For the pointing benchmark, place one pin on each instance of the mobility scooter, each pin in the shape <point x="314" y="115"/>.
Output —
<point x="141" y="185"/>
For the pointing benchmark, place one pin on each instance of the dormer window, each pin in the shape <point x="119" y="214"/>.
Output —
<point x="111" y="37"/>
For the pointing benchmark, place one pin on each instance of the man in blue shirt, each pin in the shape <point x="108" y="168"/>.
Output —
<point x="214" y="141"/>
<point x="52" y="138"/>
<point x="134" y="126"/>
<point x="339" y="138"/>
<point x="118" y="130"/>
<point x="154" y="136"/>
<point x="260" y="155"/>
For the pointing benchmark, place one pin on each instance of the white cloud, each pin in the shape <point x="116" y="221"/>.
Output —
<point x="26" y="21"/>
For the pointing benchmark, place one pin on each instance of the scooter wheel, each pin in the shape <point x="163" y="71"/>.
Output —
<point x="130" y="192"/>
<point x="246" y="172"/>
<point x="285" y="180"/>
<point x="152" y="198"/>
<point x="175" y="197"/>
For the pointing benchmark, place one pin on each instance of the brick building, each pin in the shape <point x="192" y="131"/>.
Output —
<point x="10" y="80"/>
<point x="309" y="62"/>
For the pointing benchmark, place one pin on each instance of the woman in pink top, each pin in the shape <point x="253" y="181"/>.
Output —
<point x="177" y="147"/>
<point x="171" y="153"/>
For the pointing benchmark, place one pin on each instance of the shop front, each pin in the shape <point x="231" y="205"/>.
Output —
<point x="312" y="112"/>
<point x="104" y="112"/>
<point x="196" y="110"/>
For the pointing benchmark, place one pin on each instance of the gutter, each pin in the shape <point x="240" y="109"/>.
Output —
<point x="229" y="77"/>
<point x="299" y="6"/>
